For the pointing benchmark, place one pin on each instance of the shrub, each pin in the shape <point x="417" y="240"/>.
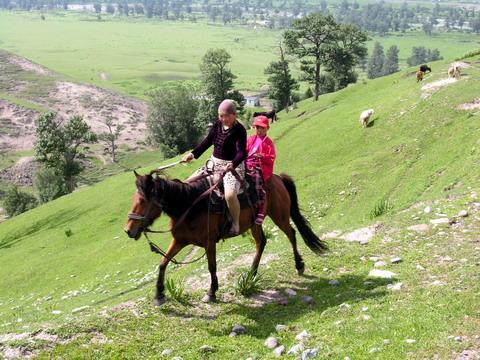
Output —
<point x="17" y="201"/>
<point x="49" y="185"/>
<point x="176" y="290"/>
<point x="381" y="207"/>
<point x="248" y="283"/>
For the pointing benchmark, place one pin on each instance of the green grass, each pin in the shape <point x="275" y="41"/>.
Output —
<point x="418" y="152"/>
<point x="138" y="54"/>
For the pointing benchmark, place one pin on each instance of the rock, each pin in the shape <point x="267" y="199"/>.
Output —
<point x="280" y="328"/>
<point x="382" y="274"/>
<point x="283" y="301"/>
<point x="440" y="221"/>
<point x="166" y="352"/>
<point x="463" y="213"/>
<point x="458" y="338"/>
<point x="177" y="358"/>
<point x="396" y="260"/>
<point x="307" y="299"/>
<point x="290" y="292"/>
<point x="363" y="242"/>
<point x="56" y="312"/>
<point x="296" y="349"/>
<point x="332" y="234"/>
<point x="309" y="354"/>
<point x="81" y="308"/>
<point x="395" y="287"/>
<point x="368" y="283"/>
<point x="334" y="282"/>
<point x="410" y="341"/>
<point x="233" y="334"/>
<point x="420" y="268"/>
<point x="386" y="341"/>
<point x="206" y="349"/>
<point x="427" y="210"/>
<point x="271" y="342"/>
<point x="379" y="264"/>
<point x="239" y="329"/>
<point x="365" y="234"/>
<point x="419" y="227"/>
<point x="469" y="355"/>
<point x="303" y="335"/>
<point x="279" y="351"/>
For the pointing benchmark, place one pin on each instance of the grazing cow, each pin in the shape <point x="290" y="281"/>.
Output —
<point x="454" y="71"/>
<point x="365" y="117"/>
<point x="424" y="68"/>
<point x="269" y="114"/>
<point x="419" y="75"/>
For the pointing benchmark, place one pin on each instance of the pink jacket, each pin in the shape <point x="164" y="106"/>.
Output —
<point x="267" y="149"/>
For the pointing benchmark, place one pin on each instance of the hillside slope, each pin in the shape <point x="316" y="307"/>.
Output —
<point x="66" y="260"/>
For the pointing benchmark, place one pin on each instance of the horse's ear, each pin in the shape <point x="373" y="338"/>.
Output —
<point x="136" y="174"/>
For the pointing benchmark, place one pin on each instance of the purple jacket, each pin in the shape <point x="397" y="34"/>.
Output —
<point x="228" y="144"/>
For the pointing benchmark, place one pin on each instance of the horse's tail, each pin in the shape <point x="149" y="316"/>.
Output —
<point x="313" y="242"/>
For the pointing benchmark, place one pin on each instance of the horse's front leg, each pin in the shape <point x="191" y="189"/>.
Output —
<point x="260" y="242"/>
<point x="211" y="251"/>
<point x="173" y="250"/>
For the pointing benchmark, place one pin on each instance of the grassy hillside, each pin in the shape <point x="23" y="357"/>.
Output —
<point x="419" y="152"/>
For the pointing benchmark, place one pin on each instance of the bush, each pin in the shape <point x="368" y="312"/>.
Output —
<point x="248" y="283"/>
<point x="49" y="185"/>
<point x="381" y="207"/>
<point x="17" y="201"/>
<point x="176" y="290"/>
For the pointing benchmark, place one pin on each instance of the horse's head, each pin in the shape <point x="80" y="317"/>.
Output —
<point x="146" y="206"/>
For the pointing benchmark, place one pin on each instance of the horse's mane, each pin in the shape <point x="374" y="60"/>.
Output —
<point x="175" y="196"/>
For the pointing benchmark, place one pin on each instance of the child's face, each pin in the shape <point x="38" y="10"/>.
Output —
<point x="260" y="130"/>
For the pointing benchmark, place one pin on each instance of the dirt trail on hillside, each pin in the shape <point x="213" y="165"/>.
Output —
<point x="30" y="66"/>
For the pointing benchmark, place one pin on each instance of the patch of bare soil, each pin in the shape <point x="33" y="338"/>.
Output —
<point x="475" y="104"/>
<point x="17" y="128"/>
<point x="430" y="88"/>
<point x="22" y="173"/>
<point x="29" y="66"/>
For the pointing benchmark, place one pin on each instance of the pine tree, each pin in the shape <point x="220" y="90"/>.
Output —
<point x="391" y="61"/>
<point x="375" y="62"/>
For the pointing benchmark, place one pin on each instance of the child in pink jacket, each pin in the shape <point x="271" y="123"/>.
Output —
<point x="260" y="159"/>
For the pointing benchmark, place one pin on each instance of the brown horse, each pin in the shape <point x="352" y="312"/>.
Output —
<point x="155" y="195"/>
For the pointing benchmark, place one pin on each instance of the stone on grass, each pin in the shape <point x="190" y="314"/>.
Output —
<point x="395" y="287"/>
<point x="279" y="350"/>
<point x="290" y="292"/>
<point x="419" y="227"/>
<point x="303" y="335"/>
<point x="463" y="213"/>
<point x="81" y="308"/>
<point x="206" y="349"/>
<point x="271" y="342"/>
<point x="309" y="354"/>
<point x="334" y="282"/>
<point x="56" y="312"/>
<point x="166" y="352"/>
<point x="307" y="299"/>
<point x="239" y="329"/>
<point x="382" y="274"/>
<point x="458" y="338"/>
<point x="396" y="260"/>
<point x="177" y="358"/>
<point x="379" y="264"/>
<point x="438" y="221"/>
<point x="233" y="334"/>
<point x="296" y="349"/>
<point x="420" y="268"/>
<point x="283" y="301"/>
<point x="280" y="327"/>
<point x="427" y="210"/>
<point x="410" y="341"/>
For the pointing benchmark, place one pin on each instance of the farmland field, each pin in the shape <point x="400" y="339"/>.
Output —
<point x="132" y="55"/>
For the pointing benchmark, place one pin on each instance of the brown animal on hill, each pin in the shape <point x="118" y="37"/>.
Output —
<point x="454" y="71"/>
<point x="424" y="68"/>
<point x="419" y="75"/>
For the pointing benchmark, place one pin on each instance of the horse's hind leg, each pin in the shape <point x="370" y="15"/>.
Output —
<point x="260" y="241"/>
<point x="290" y="232"/>
<point x="173" y="250"/>
<point x="211" y="251"/>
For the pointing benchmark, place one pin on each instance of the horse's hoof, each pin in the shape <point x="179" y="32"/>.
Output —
<point x="209" y="298"/>
<point x="159" y="301"/>
<point x="301" y="270"/>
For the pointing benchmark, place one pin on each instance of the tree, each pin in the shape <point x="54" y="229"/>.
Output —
<point x="308" y="40"/>
<point x="433" y="55"/>
<point x="281" y="82"/>
<point x="172" y="120"/>
<point x="427" y="28"/>
<point x="58" y="146"/>
<point x="390" y="64"/>
<point x="17" y="201"/>
<point x="419" y="56"/>
<point x="346" y="51"/>
<point x="217" y="82"/>
<point x="110" y="9"/>
<point x="110" y="138"/>
<point x="97" y="7"/>
<point x="375" y="62"/>
<point x="49" y="185"/>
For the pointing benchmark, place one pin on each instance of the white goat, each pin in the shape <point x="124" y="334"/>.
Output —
<point x="365" y="117"/>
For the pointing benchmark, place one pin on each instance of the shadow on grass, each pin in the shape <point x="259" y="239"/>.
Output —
<point x="53" y="221"/>
<point x="325" y="298"/>
<point x="371" y="123"/>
